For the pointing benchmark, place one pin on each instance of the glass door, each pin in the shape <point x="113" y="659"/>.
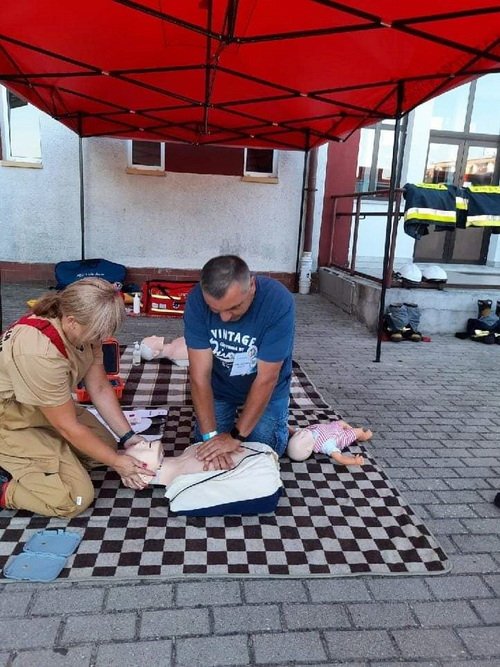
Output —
<point x="479" y="164"/>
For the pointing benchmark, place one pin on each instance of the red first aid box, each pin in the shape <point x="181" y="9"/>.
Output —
<point x="111" y="359"/>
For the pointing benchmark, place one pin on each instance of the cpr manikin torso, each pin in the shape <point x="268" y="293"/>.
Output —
<point x="170" y="467"/>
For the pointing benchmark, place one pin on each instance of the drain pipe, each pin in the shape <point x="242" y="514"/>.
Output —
<point x="306" y="259"/>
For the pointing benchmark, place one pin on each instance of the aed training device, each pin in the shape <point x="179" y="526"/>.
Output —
<point x="111" y="360"/>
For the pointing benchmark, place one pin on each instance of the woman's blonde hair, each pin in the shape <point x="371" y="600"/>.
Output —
<point x="93" y="302"/>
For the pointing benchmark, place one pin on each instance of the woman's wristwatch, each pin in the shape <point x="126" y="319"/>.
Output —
<point x="236" y="435"/>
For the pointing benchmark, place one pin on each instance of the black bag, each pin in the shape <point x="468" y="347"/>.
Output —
<point x="67" y="272"/>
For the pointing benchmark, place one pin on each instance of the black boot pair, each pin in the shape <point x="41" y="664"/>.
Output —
<point x="484" y="308"/>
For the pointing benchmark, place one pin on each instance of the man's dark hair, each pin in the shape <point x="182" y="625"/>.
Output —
<point x="220" y="272"/>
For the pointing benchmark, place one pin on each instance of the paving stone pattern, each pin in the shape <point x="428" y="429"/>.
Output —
<point x="435" y="411"/>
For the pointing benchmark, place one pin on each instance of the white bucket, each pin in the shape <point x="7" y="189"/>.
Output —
<point x="305" y="273"/>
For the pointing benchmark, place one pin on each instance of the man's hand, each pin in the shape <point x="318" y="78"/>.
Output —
<point x="216" y="452"/>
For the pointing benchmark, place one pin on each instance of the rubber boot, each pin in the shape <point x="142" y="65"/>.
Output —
<point x="484" y="307"/>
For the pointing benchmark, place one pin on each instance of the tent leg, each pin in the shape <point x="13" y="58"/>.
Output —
<point x="392" y="220"/>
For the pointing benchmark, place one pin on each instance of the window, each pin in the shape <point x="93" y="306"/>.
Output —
<point x="157" y="158"/>
<point x="147" y="155"/>
<point x="260" y="162"/>
<point x="21" y="135"/>
<point x="375" y="156"/>
<point x="464" y="140"/>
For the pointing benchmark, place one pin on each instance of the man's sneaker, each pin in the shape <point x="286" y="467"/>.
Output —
<point x="4" y="476"/>
<point x="4" y="480"/>
<point x="497" y="500"/>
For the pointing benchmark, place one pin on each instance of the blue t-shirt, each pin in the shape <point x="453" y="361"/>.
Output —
<point x="264" y="332"/>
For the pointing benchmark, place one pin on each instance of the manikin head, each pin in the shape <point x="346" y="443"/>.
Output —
<point x="152" y="347"/>
<point x="300" y="446"/>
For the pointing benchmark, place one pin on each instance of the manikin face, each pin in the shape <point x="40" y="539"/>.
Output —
<point x="234" y="304"/>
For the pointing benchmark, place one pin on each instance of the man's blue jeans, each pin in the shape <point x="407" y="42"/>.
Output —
<point x="271" y="429"/>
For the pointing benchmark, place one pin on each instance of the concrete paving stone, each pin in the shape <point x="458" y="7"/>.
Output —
<point x="329" y="664"/>
<point x="427" y="484"/>
<point x="423" y="643"/>
<point x="407" y="663"/>
<point x="480" y="472"/>
<point x="490" y="662"/>
<point x="68" y="601"/>
<point x="99" y="627"/>
<point x="445" y="614"/>
<point x="13" y="604"/>
<point x="149" y="596"/>
<point x="421" y="497"/>
<point x="76" y="656"/>
<point x="477" y="543"/>
<point x="288" y="647"/>
<point x="487" y="509"/>
<point x="213" y="651"/>
<point x="488" y="610"/>
<point x="251" y="618"/>
<point x="482" y="459"/>
<point x="338" y="590"/>
<point x="473" y="564"/>
<point x="398" y="589"/>
<point x="468" y="483"/>
<point x="435" y="473"/>
<point x="452" y="463"/>
<point x="482" y="526"/>
<point x="403" y="473"/>
<point x="493" y="581"/>
<point x="5" y="659"/>
<point x="305" y="616"/>
<point x="481" y="642"/>
<point x="274" y="590"/>
<point x="446" y="526"/>
<point x="132" y="654"/>
<point x="175" y="623"/>
<point x="459" y="496"/>
<point x="202" y="593"/>
<point x="346" y="645"/>
<point x="449" y="511"/>
<point x="29" y="633"/>
<point x="382" y="615"/>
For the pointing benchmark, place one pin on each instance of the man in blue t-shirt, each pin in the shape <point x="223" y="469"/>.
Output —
<point x="239" y="332"/>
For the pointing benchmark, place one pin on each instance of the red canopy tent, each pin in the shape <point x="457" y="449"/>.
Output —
<point x="288" y="75"/>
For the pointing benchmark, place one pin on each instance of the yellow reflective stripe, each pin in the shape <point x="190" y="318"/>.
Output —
<point x="462" y="203"/>
<point x="483" y="221"/>
<point x="432" y="186"/>
<point x="431" y="214"/>
<point x="491" y="189"/>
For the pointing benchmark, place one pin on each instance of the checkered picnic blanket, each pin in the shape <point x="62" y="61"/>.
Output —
<point x="160" y="382"/>
<point x="330" y="521"/>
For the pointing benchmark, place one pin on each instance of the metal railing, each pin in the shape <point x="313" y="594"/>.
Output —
<point x="393" y="215"/>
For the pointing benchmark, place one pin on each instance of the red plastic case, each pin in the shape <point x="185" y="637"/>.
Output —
<point x="111" y="359"/>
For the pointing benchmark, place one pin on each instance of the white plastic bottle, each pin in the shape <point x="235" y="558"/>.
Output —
<point x="136" y="308"/>
<point x="136" y="354"/>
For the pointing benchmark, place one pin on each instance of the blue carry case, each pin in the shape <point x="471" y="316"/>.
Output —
<point x="70" y="271"/>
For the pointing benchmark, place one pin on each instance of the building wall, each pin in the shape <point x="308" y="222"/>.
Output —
<point x="176" y="221"/>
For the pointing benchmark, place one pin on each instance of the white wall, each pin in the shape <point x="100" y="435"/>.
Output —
<point x="176" y="221"/>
